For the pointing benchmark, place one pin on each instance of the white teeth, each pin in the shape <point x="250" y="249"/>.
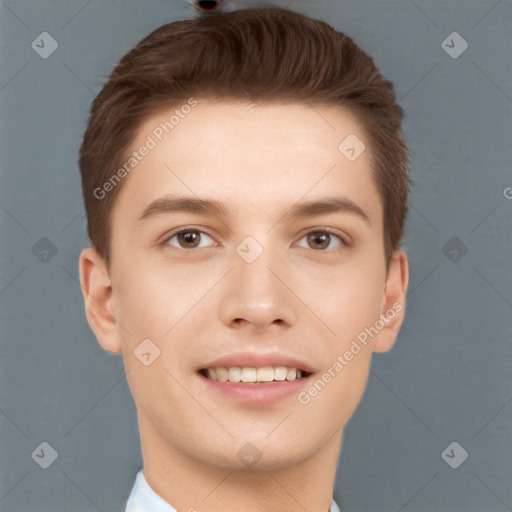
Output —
<point x="234" y="374"/>
<point x="265" y="374"/>
<point x="222" y="374"/>
<point x="251" y="375"/>
<point x="280" y="373"/>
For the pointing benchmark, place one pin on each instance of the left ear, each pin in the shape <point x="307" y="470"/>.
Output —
<point x="393" y="301"/>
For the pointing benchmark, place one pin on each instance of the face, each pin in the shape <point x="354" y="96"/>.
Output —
<point x="247" y="246"/>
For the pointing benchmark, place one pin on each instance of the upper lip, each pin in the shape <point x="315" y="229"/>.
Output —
<point x="257" y="360"/>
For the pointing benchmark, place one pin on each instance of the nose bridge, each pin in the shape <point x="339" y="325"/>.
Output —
<point x="255" y="295"/>
<point x="253" y="268"/>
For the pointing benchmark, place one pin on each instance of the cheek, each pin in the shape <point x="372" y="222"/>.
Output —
<point x="350" y="301"/>
<point x="351" y="305"/>
<point x="140" y="303"/>
<point x="158" y="303"/>
<point x="149" y="297"/>
<point x="152" y="312"/>
<point x="357" y="309"/>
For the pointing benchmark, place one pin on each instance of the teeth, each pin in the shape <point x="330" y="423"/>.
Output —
<point x="265" y="374"/>
<point x="280" y="373"/>
<point x="251" y="375"/>
<point x="234" y="373"/>
<point x="222" y="374"/>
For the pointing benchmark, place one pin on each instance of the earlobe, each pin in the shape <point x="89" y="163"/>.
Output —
<point x="393" y="301"/>
<point x="97" y="292"/>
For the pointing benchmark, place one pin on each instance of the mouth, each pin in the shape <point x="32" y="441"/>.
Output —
<point x="255" y="379"/>
<point x="254" y="375"/>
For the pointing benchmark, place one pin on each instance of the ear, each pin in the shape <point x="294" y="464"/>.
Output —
<point x="97" y="292"/>
<point x="393" y="301"/>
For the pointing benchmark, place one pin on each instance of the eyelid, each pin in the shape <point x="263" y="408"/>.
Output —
<point x="327" y="229"/>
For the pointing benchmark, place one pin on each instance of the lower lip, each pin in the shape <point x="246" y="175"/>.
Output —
<point x="263" y="394"/>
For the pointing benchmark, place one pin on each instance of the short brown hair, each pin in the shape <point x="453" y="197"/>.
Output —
<point x="261" y="55"/>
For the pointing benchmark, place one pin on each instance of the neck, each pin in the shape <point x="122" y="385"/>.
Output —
<point x="194" y="485"/>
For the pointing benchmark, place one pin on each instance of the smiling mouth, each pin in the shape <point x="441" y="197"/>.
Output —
<point x="252" y="375"/>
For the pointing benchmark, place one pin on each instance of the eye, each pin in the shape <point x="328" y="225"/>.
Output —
<point x="322" y="240"/>
<point x="188" y="239"/>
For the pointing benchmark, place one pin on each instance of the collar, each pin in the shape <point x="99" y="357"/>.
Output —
<point x="144" y="499"/>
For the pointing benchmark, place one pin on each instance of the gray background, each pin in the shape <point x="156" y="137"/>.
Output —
<point x="448" y="377"/>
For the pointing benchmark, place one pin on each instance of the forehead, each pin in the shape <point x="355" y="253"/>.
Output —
<point x="250" y="156"/>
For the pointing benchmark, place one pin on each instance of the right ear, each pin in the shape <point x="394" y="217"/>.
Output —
<point x="97" y="291"/>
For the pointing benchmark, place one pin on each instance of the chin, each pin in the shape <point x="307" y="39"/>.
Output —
<point x="260" y="455"/>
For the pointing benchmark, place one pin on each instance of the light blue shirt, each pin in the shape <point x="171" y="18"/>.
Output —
<point x="144" y="499"/>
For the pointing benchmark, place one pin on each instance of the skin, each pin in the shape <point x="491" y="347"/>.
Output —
<point x="298" y="298"/>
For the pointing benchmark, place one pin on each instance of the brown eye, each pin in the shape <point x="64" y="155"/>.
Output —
<point x="322" y="240"/>
<point x="319" y="240"/>
<point x="188" y="239"/>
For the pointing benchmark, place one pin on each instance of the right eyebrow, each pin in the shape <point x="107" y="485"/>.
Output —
<point x="172" y="203"/>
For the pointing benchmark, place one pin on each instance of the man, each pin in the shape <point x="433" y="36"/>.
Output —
<point x="245" y="182"/>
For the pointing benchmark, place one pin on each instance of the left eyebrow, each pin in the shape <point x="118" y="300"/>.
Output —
<point x="325" y="206"/>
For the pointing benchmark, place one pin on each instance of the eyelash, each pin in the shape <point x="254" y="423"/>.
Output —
<point x="323" y="231"/>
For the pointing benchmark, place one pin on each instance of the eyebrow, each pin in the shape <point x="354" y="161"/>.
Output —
<point x="302" y="209"/>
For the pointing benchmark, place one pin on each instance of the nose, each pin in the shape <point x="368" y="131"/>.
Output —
<point x="256" y="296"/>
